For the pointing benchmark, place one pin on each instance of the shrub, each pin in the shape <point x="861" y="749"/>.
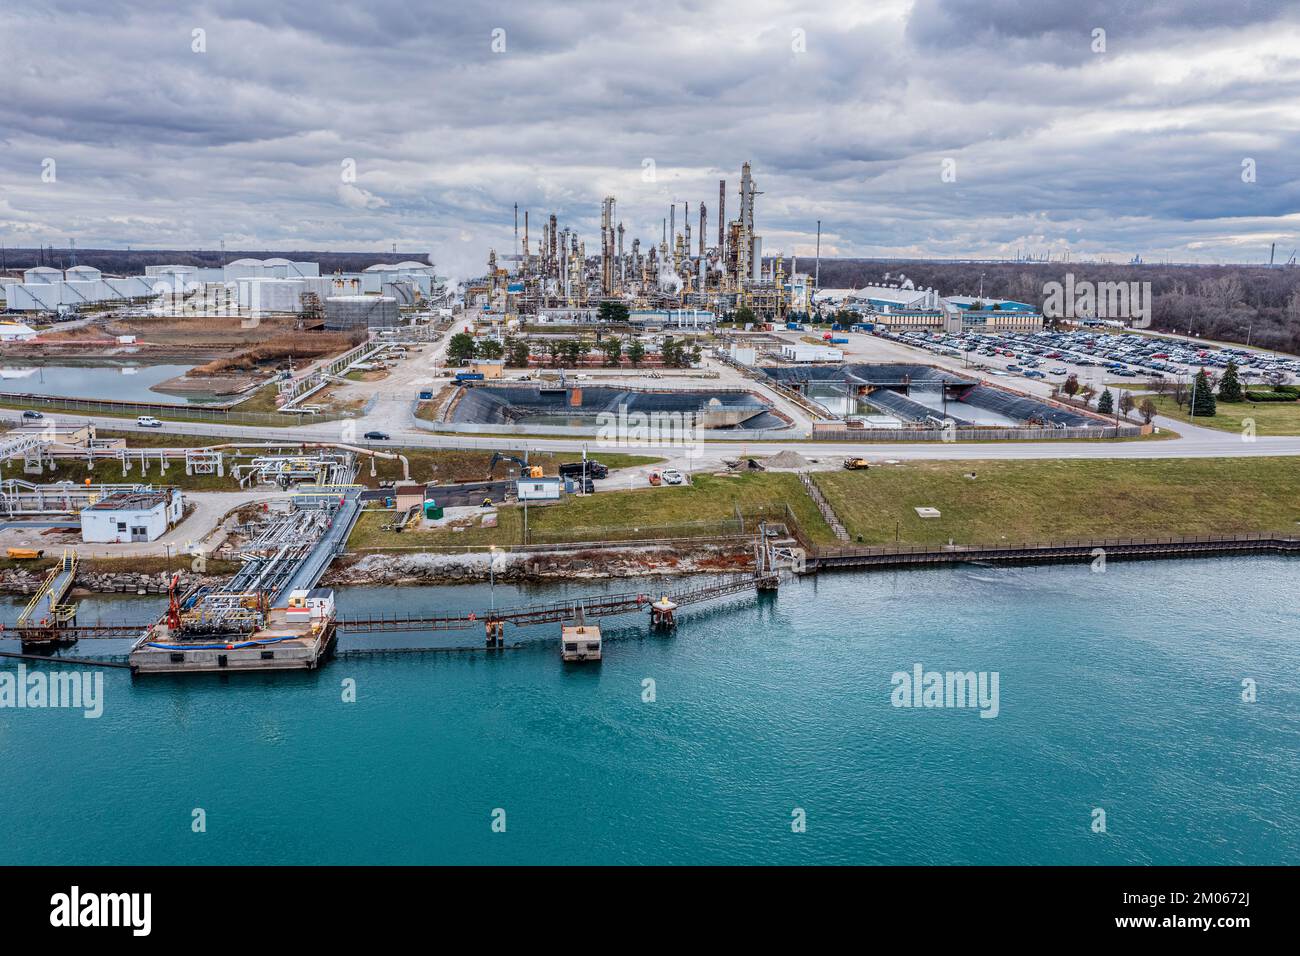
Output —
<point x="1270" y="397"/>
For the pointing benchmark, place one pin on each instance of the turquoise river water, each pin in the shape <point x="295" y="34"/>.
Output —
<point x="1120" y="692"/>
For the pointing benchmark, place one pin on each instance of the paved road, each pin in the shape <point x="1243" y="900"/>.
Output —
<point x="1195" y="442"/>
<point x="395" y="417"/>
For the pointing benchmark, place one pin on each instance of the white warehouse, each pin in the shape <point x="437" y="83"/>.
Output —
<point x="805" y="352"/>
<point x="131" y="516"/>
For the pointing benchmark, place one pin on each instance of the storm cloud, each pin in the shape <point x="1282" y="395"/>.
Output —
<point x="301" y="125"/>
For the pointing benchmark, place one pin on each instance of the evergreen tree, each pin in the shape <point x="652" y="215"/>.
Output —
<point x="1203" y="403"/>
<point x="462" y="347"/>
<point x="1230" y="384"/>
<point x="517" y="353"/>
<point x="635" y="352"/>
<point x="613" y="350"/>
<point x="1106" y="404"/>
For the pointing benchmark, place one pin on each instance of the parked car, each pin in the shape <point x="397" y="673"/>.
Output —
<point x="148" y="421"/>
<point x="673" y="477"/>
<point x="377" y="436"/>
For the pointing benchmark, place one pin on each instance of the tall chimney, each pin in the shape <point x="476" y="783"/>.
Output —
<point x="722" y="219"/>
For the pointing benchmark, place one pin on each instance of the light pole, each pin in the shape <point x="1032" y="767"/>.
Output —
<point x="492" y="576"/>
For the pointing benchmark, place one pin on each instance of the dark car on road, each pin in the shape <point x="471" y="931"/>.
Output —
<point x="378" y="436"/>
<point x="31" y="414"/>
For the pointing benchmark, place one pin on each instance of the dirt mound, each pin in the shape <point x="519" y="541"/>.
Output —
<point x="788" y="460"/>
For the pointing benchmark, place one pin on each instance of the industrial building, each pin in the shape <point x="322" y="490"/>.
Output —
<point x="131" y="516"/>
<point x="692" y="270"/>
<point x="901" y="307"/>
<point x="346" y="312"/>
<point x="49" y="290"/>
<point x="694" y="320"/>
<point x="252" y="287"/>
<point x="806" y="352"/>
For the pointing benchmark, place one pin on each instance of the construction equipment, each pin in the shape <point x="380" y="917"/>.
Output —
<point x="24" y="554"/>
<point x="856" y="464"/>
<point x="656" y="479"/>
<point x="525" y="470"/>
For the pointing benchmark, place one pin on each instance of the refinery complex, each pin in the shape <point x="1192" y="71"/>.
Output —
<point x="690" y="267"/>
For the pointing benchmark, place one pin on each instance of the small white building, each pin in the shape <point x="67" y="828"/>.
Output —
<point x="805" y="352"/>
<point x="131" y="516"/>
<point x="538" y="489"/>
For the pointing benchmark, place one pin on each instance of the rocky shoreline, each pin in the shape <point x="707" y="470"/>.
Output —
<point x="432" y="568"/>
<point x="23" y="581"/>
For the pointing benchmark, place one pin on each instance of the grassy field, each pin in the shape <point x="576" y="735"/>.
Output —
<point x="1046" y="500"/>
<point x="449" y="465"/>
<point x="1271" y="418"/>
<point x="699" y="510"/>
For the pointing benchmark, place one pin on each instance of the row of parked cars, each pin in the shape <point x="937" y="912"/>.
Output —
<point x="1123" y="355"/>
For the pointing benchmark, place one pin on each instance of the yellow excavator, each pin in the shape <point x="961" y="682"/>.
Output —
<point x="525" y="470"/>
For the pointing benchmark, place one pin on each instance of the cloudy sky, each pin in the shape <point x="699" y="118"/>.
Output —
<point x="177" y="125"/>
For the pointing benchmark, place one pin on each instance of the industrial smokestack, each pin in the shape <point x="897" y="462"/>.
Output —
<point x="722" y="218"/>
<point x="703" y="221"/>
<point x="817" y="271"/>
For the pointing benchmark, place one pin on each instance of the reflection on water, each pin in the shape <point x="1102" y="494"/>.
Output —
<point x="839" y="400"/>
<point x="933" y="398"/>
<point x="125" y="382"/>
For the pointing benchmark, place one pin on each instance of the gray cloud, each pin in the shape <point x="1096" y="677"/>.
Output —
<point x="1137" y="149"/>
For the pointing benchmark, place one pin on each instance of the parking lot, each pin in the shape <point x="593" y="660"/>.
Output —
<point x="1097" y="358"/>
